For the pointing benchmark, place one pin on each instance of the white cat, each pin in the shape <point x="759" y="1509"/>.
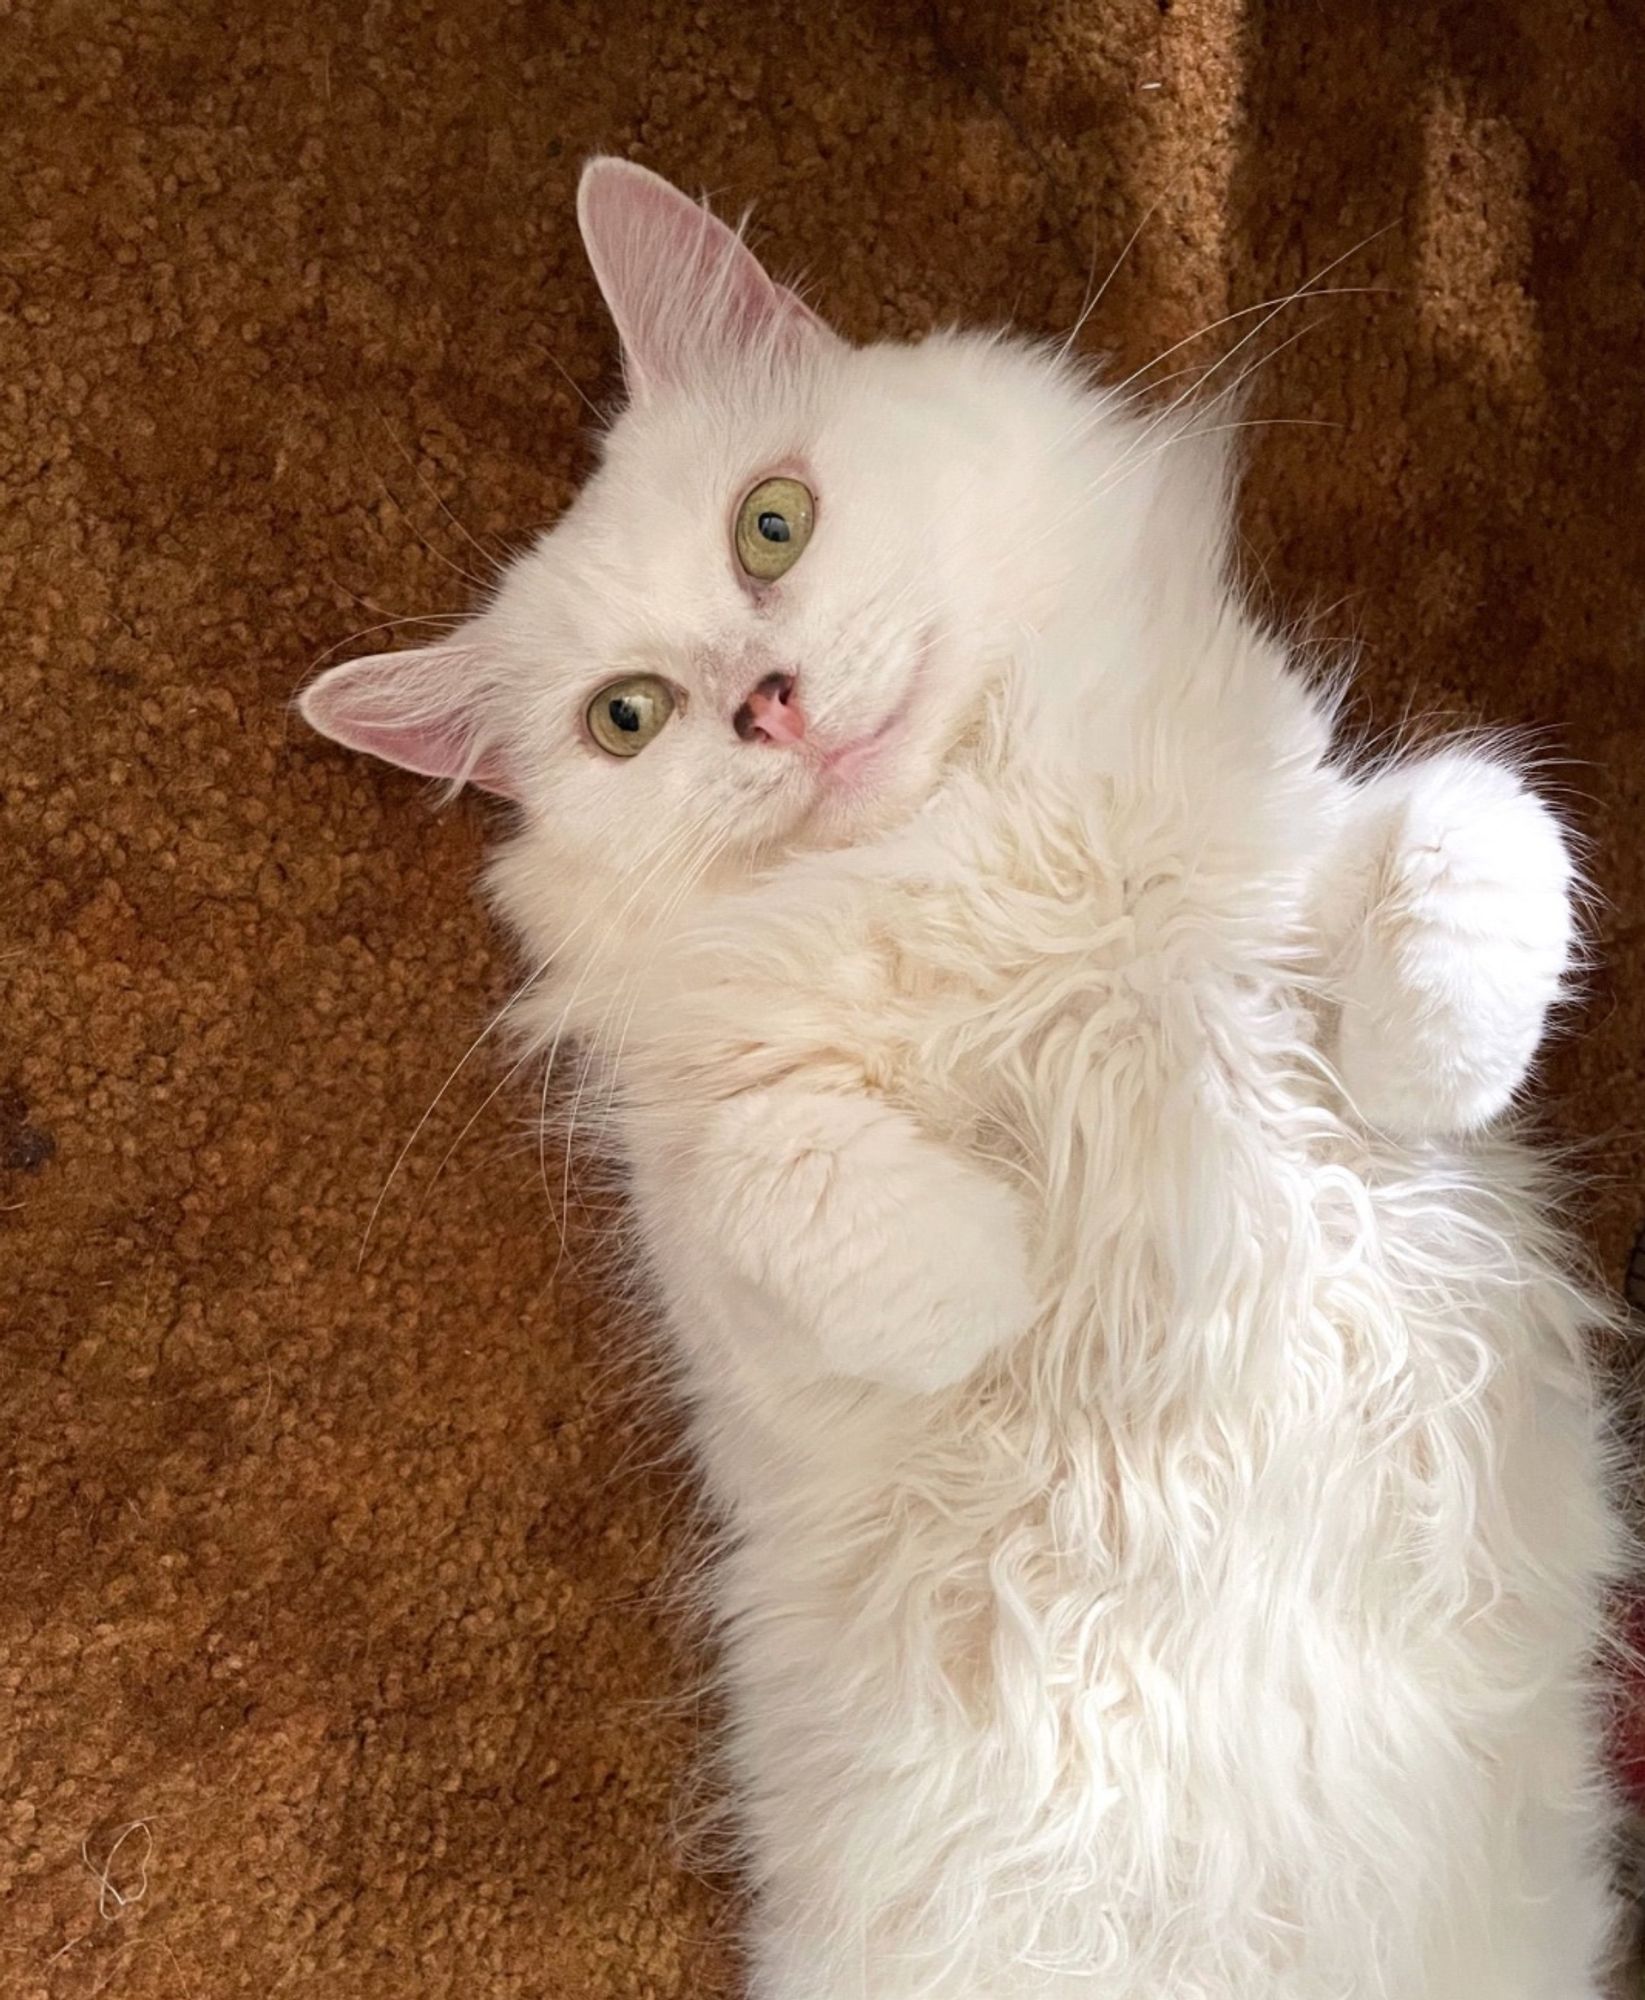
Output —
<point x="1165" y="1513"/>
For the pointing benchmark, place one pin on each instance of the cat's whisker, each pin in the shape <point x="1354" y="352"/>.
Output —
<point x="467" y="575"/>
<point x="439" y="1097"/>
<point x="1108" y="396"/>
<point x="474" y="1117"/>
<point x="1192" y="431"/>
<point x="1135" y="456"/>
<point x="1309" y="289"/>
<point x="508" y="1007"/>
<point x="1270" y="308"/>
<point x="1126" y="248"/>
<point x="601" y="419"/>
<point x="640" y="869"/>
<point x="711" y="842"/>
<point x="561" y="1215"/>
<point x="486" y="555"/>
<point x="450" y="619"/>
<point x="713" y="850"/>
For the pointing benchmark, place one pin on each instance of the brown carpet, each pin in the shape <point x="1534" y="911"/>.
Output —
<point x="334" y="1654"/>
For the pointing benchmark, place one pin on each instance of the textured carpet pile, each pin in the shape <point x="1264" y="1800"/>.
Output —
<point x="334" y="1654"/>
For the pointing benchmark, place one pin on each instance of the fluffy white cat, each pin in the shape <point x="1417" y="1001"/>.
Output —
<point x="1165" y="1512"/>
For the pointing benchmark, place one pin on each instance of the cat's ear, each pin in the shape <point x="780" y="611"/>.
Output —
<point x="423" y="710"/>
<point x="680" y="284"/>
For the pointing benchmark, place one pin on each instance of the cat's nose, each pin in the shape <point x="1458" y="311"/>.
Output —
<point x="772" y="713"/>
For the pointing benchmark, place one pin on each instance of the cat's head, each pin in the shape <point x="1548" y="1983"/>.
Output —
<point x="776" y="605"/>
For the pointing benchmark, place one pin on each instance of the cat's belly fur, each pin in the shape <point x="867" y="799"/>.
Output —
<point x="1229" y="1639"/>
<point x="994" y="1737"/>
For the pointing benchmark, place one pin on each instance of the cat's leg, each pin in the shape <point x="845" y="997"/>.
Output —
<point x="892" y="1258"/>
<point x="1449" y="916"/>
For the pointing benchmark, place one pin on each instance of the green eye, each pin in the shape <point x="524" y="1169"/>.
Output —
<point x="625" y="715"/>
<point x="774" y="524"/>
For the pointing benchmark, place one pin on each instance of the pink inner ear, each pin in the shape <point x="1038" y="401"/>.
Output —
<point x="677" y="281"/>
<point x="419" y="710"/>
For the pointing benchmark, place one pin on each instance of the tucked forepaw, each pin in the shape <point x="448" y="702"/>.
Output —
<point x="1466" y="937"/>
<point x="896" y="1259"/>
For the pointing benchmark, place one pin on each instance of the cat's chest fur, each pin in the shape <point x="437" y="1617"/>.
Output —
<point x="1050" y="983"/>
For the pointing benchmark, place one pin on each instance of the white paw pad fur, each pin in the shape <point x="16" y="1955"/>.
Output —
<point x="896" y="1260"/>
<point x="1462" y="952"/>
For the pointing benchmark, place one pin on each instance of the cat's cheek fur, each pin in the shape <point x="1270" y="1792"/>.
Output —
<point x="1463" y="949"/>
<point x="880" y="1255"/>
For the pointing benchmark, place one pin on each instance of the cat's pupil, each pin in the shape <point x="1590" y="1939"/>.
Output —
<point x="623" y="712"/>
<point x="774" y="527"/>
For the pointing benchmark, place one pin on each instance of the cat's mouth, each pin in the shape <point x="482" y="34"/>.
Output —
<point x="846" y="765"/>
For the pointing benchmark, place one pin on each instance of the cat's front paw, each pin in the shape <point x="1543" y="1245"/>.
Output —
<point x="894" y="1258"/>
<point x="1468" y="933"/>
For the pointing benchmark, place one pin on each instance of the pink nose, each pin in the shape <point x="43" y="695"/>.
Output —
<point x="772" y="713"/>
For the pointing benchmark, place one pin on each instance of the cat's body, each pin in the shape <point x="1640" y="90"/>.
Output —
<point x="1164" y="1516"/>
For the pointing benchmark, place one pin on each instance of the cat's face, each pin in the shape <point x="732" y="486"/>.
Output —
<point x="761" y="622"/>
<point x="775" y="605"/>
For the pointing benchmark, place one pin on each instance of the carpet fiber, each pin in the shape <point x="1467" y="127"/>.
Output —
<point x="335" y="1647"/>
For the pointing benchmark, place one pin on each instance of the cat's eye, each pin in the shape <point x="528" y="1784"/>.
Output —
<point x="625" y="715"/>
<point x="774" y="524"/>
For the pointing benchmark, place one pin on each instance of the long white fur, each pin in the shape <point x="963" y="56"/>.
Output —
<point x="1165" y="1512"/>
